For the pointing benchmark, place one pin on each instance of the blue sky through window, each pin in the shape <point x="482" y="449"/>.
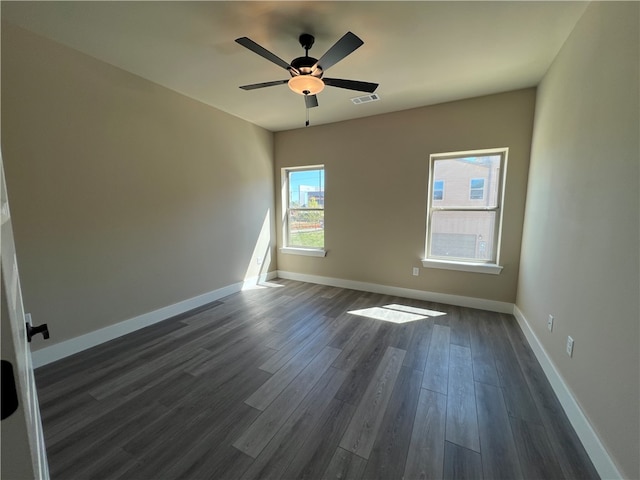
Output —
<point x="307" y="178"/>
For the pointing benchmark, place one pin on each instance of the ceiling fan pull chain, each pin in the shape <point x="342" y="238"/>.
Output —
<point x="306" y="124"/>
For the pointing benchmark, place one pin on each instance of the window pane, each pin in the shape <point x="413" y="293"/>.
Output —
<point x="306" y="228"/>
<point x="463" y="235"/>
<point x="306" y="188"/>
<point x="471" y="181"/>
<point x="476" y="191"/>
<point x="477" y="183"/>
<point x="438" y="189"/>
<point x="476" y="194"/>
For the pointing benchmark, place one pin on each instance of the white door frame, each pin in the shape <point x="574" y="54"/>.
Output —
<point x="23" y="449"/>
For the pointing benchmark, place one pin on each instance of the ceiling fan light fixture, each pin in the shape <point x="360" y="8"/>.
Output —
<point x="306" y="84"/>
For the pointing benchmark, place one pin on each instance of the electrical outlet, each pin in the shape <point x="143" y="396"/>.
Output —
<point x="570" y="346"/>
<point x="550" y="323"/>
<point x="416" y="271"/>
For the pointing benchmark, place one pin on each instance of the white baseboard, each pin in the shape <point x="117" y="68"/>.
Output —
<point x="471" y="302"/>
<point x="69" y="347"/>
<point x="595" y="449"/>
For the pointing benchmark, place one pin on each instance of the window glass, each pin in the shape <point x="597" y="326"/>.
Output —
<point x="460" y="234"/>
<point x="476" y="190"/>
<point x="438" y="189"/>
<point x="469" y="179"/>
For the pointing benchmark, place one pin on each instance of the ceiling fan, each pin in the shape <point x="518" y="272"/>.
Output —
<point x="307" y="72"/>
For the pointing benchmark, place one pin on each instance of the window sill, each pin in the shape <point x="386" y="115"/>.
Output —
<point x="309" y="252"/>
<point x="492" y="269"/>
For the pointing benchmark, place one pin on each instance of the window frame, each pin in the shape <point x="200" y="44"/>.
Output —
<point x="286" y="213"/>
<point x="491" y="266"/>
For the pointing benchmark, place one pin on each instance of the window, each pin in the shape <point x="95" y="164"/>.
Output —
<point x="303" y="202"/>
<point x="476" y="189"/>
<point x="463" y="230"/>
<point x="438" y="189"/>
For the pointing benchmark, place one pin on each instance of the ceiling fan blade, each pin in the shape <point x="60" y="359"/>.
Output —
<point x="343" y="47"/>
<point x="263" y="52"/>
<point x="351" y="84"/>
<point x="311" y="101"/>
<point x="262" y="85"/>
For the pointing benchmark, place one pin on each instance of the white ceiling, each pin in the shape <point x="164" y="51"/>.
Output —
<point x="421" y="53"/>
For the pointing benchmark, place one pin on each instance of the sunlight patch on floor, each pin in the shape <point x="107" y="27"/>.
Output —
<point x="395" y="313"/>
<point x="416" y="310"/>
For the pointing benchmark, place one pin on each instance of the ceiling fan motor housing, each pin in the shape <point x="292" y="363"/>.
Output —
<point x="303" y="65"/>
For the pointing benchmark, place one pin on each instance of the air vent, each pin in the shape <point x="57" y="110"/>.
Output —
<point x="366" y="99"/>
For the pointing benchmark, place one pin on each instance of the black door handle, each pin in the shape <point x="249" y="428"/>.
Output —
<point x="31" y="331"/>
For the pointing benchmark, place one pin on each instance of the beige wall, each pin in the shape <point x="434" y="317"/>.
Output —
<point x="580" y="259"/>
<point x="376" y="190"/>
<point x="126" y="197"/>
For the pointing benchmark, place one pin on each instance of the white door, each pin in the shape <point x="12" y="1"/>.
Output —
<point x="23" y="450"/>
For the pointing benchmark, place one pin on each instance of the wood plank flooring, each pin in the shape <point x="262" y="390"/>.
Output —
<point x="302" y="381"/>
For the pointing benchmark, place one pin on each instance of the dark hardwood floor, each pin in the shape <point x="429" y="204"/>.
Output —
<point x="285" y="382"/>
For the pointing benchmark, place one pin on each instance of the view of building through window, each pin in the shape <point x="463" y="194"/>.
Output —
<point x="305" y="207"/>
<point x="464" y="207"/>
